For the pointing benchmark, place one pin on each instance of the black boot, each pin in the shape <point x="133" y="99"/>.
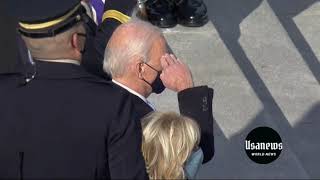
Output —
<point x="191" y="13"/>
<point x="161" y="13"/>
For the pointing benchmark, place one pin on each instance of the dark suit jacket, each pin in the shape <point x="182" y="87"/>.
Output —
<point x="10" y="60"/>
<point x="195" y="103"/>
<point x="67" y="123"/>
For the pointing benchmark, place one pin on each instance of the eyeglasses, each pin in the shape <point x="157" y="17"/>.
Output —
<point x="82" y="34"/>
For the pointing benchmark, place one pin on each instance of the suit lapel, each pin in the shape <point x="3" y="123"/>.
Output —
<point x="141" y="108"/>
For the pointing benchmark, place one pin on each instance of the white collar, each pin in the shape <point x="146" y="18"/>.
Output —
<point x="70" y="61"/>
<point x="134" y="93"/>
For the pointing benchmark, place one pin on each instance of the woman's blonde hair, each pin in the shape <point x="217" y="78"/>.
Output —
<point x="168" y="141"/>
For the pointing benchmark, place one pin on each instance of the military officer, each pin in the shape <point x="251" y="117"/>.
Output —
<point x="167" y="13"/>
<point x="115" y="13"/>
<point x="64" y="122"/>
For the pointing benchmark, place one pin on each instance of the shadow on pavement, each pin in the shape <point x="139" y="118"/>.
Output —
<point x="286" y="10"/>
<point x="226" y="16"/>
<point x="307" y="146"/>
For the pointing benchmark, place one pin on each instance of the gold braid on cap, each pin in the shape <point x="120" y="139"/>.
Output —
<point x="49" y="23"/>
<point x="117" y="15"/>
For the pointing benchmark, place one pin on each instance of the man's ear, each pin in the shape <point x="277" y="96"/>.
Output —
<point x="75" y="42"/>
<point x="138" y="68"/>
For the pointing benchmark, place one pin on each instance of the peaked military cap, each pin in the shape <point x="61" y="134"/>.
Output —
<point x="46" y="18"/>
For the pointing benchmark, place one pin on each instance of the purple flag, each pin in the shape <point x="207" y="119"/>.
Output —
<point x="98" y="5"/>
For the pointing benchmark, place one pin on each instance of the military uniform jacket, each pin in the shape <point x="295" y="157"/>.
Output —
<point x="67" y="123"/>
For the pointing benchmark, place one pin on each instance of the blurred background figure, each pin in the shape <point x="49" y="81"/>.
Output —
<point x="95" y="9"/>
<point x="170" y="146"/>
<point x="9" y="41"/>
<point x="168" y="13"/>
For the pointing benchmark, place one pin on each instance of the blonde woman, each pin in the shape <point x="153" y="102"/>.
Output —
<point x="170" y="146"/>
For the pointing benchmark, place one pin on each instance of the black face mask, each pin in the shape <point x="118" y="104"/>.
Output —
<point x="157" y="85"/>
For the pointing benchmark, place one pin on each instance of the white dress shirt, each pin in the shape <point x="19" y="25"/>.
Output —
<point x="134" y="93"/>
<point x="70" y="61"/>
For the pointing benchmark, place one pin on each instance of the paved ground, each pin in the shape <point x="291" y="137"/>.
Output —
<point x="262" y="59"/>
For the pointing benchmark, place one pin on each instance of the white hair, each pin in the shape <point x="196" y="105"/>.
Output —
<point x="136" y="41"/>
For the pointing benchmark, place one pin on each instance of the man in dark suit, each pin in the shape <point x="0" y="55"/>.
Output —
<point x="16" y="54"/>
<point x="137" y="60"/>
<point x="63" y="122"/>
